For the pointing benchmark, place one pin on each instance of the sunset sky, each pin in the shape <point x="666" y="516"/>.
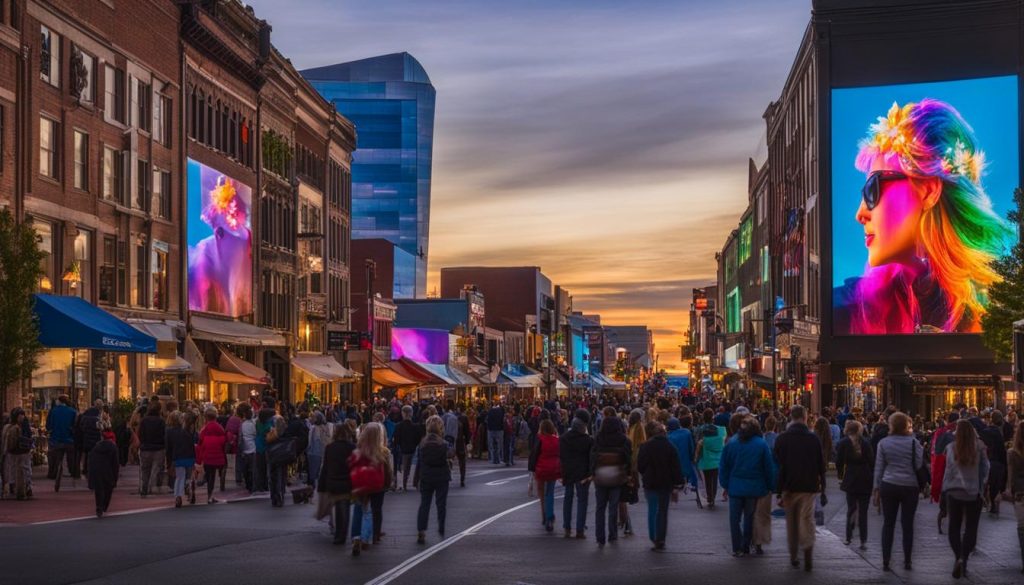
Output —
<point x="604" y="141"/>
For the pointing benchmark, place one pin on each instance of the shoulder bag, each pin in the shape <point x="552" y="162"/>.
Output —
<point x="923" y="476"/>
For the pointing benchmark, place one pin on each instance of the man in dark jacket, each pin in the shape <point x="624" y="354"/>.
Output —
<point x="992" y="436"/>
<point x="658" y="463"/>
<point x="495" y="420"/>
<point x="60" y="425"/>
<point x="407" y="437"/>
<point x="88" y="431"/>
<point x="152" y="430"/>
<point x="103" y="467"/>
<point x="335" y="479"/>
<point x="801" y="477"/>
<point x="574" y="451"/>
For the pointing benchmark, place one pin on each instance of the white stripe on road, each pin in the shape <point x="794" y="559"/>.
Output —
<point x="108" y="514"/>
<point x="490" y="471"/>
<point x="417" y="559"/>
<point x="507" y="480"/>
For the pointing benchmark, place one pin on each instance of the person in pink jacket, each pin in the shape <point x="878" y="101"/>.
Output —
<point x="210" y="452"/>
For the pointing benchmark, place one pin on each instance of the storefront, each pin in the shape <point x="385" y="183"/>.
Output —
<point x="229" y="352"/>
<point x="319" y="378"/>
<point x="167" y="372"/>
<point x="89" y="354"/>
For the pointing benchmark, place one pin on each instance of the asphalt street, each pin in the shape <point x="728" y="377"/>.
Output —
<point x="494" y="536"/>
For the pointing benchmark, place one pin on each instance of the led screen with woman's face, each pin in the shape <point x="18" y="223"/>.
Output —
<point x="219" y="242"/>
<point x="922" y="178"/>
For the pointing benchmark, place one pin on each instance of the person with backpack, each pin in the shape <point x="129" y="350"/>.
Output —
<point x="658" y="464"/>
<point x="747" y="474"/>
<point x="546" y="469"/>
<point x="610" y="462"/>
<point x="967" y="468"/>
<point x="574" y="449"/>
<point x="710" y="442"/>
<point x="16" y="452"/>
<point x="370" y="472"/>
<point x="87" y="431"/>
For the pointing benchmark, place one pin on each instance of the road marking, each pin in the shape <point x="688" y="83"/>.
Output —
<point x="507" y="480"/>
<point x="122" y="513"/>
<point x="490" y="471"/>
<point x="417" y="559"/>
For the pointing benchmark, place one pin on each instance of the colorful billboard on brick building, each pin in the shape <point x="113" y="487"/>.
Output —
<point x="922" y="178"/>
<point x="219" y="242"/>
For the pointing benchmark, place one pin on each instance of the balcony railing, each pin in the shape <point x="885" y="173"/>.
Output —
<point x="314" y="305"/>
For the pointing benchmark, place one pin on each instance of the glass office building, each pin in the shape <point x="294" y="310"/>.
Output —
<point x="391" y="101"/>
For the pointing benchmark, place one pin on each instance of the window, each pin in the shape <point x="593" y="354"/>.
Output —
<point x="746" y="239"/>
<point x="108" y="271"/>
<point x="142" y="98"/>
<point x="3" y="142"/>
<point x="217" y="124"/>
<point x="49" y="57"/>
<point x="44" y="235"/>
<point x="162" y="120"/>
<point x="114" y="94"/>
<point x="141" y="185"/>
<point x="83" y="256"/>
<point x="730" y="262"/>
<point x="83" y="66"/>
<point x="122" y="272"/>
<point x="158" y="280"/>
<point x="49" y="151"/>
<point x="766" y="266"/>
<point x="733" y="321"/>
<point x="81" y="161"/>
<point x="161" y="200"/>
<point x="113" y="175"/>
<point x="139" y="282"/>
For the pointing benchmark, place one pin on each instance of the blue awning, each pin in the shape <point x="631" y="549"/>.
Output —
<point x="73" y="323"/>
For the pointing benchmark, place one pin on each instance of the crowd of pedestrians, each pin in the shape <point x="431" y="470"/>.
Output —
<point x="765" y="461"/>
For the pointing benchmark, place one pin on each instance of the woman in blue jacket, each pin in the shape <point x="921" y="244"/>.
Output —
<point x="681" y="437"/>
<point x="746" y="473"/>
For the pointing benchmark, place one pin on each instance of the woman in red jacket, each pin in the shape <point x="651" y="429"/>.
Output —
<point x="547" y="469"/>
<point x="210" y="452"/>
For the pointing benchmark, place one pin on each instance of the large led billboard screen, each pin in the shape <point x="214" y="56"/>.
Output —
<point x="922" y="178"/>
<point x="219" y="242"/>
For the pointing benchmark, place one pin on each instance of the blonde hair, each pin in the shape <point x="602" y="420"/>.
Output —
<point x="371" y="443"/>
<point x="435" y="426"/>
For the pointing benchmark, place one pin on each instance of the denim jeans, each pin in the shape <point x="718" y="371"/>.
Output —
<point x="657" y="513"/>
<point x="180" y="476"/>
<point x="607" y="498"/>
<point x="367" y="517"/>
<point x="495" y="440"/>
<point x="857" y="506"/>
<point x="246" y="465"/>
<point x="549" y="501"/>
<point x="314" y="462"/>
<point x="510" y="450"/>
<point x="581" y="492"/>
<point x="741" y="521"/>
<point x="439" y="493"/>
<point x="151" y="464"/>
<point x="342" y="513"/>
<point x="238" y="466"/>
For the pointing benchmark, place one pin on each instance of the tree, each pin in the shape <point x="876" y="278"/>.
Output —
<point x="20" y="271"/>
<point x="1006" y="298"/>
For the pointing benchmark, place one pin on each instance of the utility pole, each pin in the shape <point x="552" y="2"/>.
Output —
<point x="371" y="275"/>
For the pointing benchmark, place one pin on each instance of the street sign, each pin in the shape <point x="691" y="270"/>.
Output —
<point x="342" y="340"/>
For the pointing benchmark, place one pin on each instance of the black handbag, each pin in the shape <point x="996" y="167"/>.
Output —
<point x="923" y="476"/>
<point x="282" y="451"/>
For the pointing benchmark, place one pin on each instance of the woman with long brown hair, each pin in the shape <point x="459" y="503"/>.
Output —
<point x="824" y="433"/>
<point x="371" y="452"/>
<point x="637" y="436"/>
<point x="547" y="469"/>
<point x="1015" y="483"/>
<point x="967" y="469"/>
<point x="855" y="462"/>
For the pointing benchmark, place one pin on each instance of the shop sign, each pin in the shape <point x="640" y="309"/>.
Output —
<point x="342" y="340"/>
<point x="166" y="350"/>
<point x="970" y="381"/>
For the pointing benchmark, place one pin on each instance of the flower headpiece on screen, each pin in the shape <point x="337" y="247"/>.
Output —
<point x="225" y="208"/>
<point x="927" y="144"/>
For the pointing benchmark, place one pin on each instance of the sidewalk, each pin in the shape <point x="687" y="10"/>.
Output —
<point x="75" y="500"/>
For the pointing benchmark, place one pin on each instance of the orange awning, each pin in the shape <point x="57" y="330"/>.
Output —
<point x="231" y="377"/>
<point x="391" y="379"/>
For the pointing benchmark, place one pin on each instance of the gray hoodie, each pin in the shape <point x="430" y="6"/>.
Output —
<point x="963" y="482"/>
